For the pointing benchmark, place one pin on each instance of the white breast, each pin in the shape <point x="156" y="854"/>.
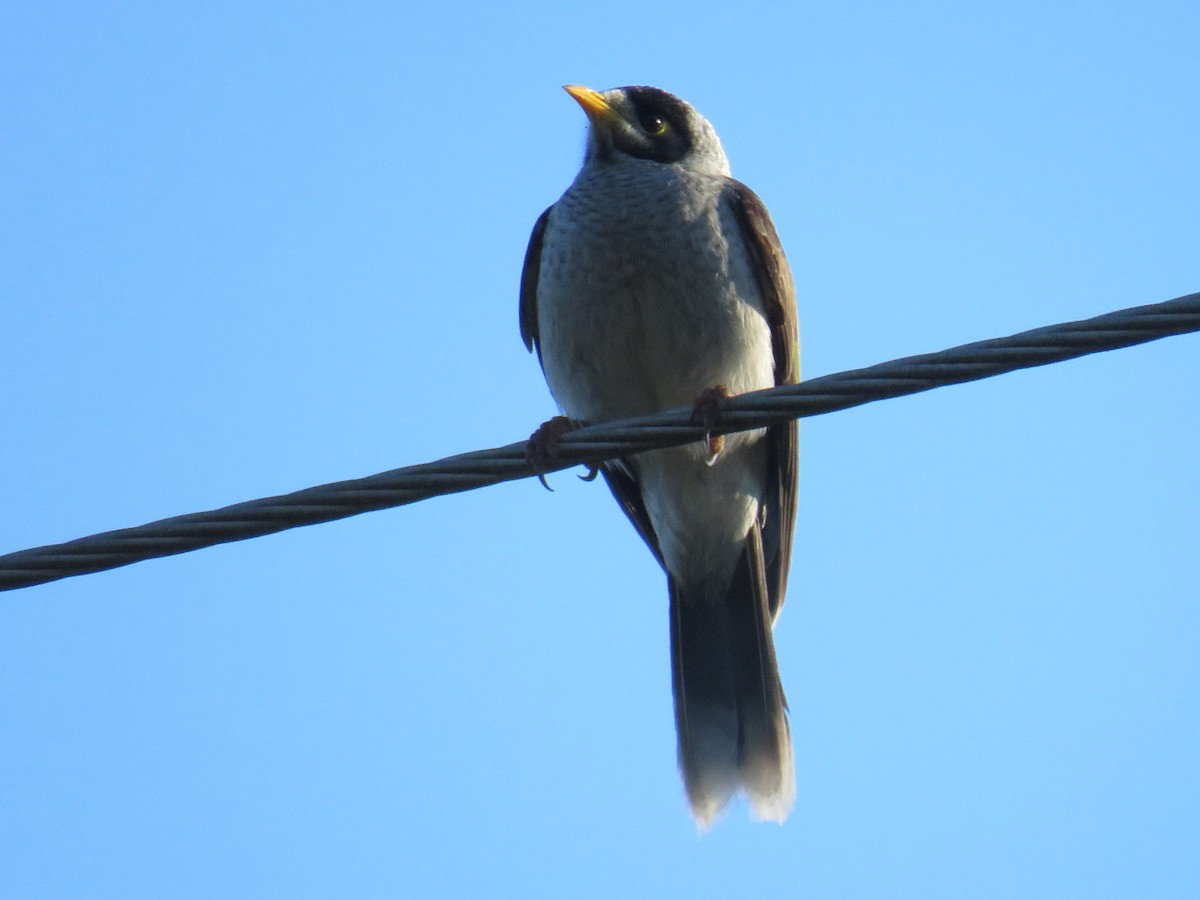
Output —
<point x="646" y="299"/>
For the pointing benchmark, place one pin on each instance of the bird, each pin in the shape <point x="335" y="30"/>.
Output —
<point x="658" y="281"/>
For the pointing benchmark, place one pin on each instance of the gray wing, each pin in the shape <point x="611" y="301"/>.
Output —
<point x="779" y="301"/>
<point x="529" y="285"/>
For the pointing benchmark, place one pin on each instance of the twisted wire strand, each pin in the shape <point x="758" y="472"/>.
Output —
<point x="398" y="487"/>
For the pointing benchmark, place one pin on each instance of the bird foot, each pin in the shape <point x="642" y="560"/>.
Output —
<point x="543" y="447"/>
<point x="707" y="412"/>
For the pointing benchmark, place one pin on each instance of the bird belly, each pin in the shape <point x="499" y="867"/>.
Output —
<point x="701" y="513"/>
<point x="634" y="322"/>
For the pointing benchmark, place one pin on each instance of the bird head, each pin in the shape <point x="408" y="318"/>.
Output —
<point x="649" y="124"/>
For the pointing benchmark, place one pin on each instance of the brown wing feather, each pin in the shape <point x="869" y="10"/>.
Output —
<point x="779" y="300"/>
<point x="529" y="283"/>
<point x="627" y="491"/>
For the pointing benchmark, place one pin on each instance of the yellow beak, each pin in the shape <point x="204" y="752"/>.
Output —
<point x="593" y="103"/>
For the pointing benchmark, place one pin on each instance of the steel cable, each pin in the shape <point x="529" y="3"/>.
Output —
<point x="594" y="443"/>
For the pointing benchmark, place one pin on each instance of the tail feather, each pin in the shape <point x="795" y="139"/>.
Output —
<point x="730" y="712"/>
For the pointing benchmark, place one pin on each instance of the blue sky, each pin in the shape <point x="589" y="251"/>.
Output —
<point x="248" y="248"/>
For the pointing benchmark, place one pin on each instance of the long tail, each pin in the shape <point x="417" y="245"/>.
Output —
<point x="730" y="712"/>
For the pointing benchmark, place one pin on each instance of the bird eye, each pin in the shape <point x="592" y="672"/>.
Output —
<point x="655" y="125"/>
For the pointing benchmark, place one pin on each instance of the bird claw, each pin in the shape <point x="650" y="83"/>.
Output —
<point x="543" y="447"/>
<point x="707" y="412"/>
<point x="715" y="444"/>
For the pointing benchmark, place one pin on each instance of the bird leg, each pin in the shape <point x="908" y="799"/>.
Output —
<point x="543" y="446"/>
<point x="707" y="412"/>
